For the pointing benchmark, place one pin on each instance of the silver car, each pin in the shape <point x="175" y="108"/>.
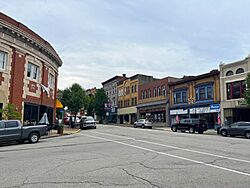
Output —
<point x="87" y="122"/>
<point x="143" y="123"/>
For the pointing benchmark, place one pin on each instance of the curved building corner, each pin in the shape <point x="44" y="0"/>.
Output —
<point x="28" y="71"/>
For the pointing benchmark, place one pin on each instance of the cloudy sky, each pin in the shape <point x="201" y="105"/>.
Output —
<point x="98" y="39"/>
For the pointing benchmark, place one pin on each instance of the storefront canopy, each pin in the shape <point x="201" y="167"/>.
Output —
<point x="58" y="104"/>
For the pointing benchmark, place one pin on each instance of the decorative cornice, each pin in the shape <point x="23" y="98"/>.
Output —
<point x="9" y="25"/>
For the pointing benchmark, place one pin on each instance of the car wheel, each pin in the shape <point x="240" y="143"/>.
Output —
<point x="135" y="126"/>
<point x="223" y="133"/>
<point x="174" y="128"/>
<point x="143" y="126"/>
<point x="191" y="130"/>
<point x="247" y="135"/>
<point x="200" y="132"/>
<point x="33" y="138"/>
<point x="94" y="127"/>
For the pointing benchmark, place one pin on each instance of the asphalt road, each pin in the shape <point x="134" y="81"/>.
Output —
<point x="113" y="156"/>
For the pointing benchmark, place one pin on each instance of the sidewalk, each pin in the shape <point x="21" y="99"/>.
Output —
<point x="66" y="131"/>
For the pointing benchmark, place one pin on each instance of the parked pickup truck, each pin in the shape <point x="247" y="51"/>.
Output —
<point x="13" y="130"/>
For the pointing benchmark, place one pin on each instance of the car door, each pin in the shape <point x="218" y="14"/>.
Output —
<point x="2" y="131"/>
<point x="13" y="130"/>
<point x="233" y="129"/>
<point x="241" y="128"/>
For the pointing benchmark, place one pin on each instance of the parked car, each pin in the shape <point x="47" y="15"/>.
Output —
<point x="192" y="125"/>
<point x="87" y="122"/>
<point x="143" y="123"/>
<point x="236" y="129"/>
<point x="13" y="130"/>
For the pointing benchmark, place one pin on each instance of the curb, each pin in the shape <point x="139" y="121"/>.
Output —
<point x="64" y="134"/>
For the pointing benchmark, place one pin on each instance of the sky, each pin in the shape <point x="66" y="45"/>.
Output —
<point x="98" y="39"/>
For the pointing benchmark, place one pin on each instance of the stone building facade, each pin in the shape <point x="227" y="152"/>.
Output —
<point x="233" y="84"/>
<point x="28" y="71"/>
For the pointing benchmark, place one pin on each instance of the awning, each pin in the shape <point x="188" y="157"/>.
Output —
<point x="58" y="104"/>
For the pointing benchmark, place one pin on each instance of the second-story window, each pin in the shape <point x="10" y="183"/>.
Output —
<point x="51" y="81"/>
<point x="163" y="91"/>
<point x="33" y="71"/>
<point x="155" y="92"/>
<point x="204" y="93"/>
<point x="132" y="89"/>
<point x="135" y="88"/>
<point x="235" y="90"/>
<point x="145" y="94"/>
<point x="3" y="60"/>
<point x="149" y="93"/>
<point x="180" y="97"/>
<point x="142" y="95"/>
<point x="159" y="91"/>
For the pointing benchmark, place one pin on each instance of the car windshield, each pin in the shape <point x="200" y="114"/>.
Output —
<point x="89" y="119"/>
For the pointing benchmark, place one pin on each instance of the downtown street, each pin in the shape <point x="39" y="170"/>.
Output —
<point x="114" y="156"/>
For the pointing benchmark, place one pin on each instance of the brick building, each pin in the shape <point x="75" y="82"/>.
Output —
<point x="110" y="87"/>
<point x="128" y="97"/>
<point x="28" y="71"/>
<point x="153" y="100"/>
<point x="196" y="97"/>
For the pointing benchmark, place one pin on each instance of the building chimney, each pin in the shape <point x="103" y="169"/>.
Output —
<point x="124" y="75"/>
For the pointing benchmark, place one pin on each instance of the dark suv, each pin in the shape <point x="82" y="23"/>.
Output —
<point x="192" y="125"/>
<point x="236" y="129"/>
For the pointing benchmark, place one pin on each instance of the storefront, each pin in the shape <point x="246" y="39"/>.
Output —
<point x="208" y="112"/>
<point x="33" y="113"/>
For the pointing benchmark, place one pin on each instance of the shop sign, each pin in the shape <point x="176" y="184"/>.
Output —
<point x="242" y="102"/>
<point x="178" y="111"/>
<point x="215" y="108"/>
<point x="202" y="110"/>
<point x="192" y="111"/>
<point x="148" y="114"/>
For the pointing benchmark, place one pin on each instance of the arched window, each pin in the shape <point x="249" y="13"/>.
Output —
<point x="229" y="73"/>
<point x="239" y="70"/>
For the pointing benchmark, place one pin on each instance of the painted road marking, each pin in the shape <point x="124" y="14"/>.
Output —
<point x="178" y="148"/>
<point x="170" y="155"/>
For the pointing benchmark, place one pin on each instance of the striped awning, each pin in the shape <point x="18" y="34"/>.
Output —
<point x="58" y="104"/>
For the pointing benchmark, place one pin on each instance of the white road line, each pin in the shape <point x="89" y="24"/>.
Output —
<point x="179" y="148"/>
<point x="174" y="156"/>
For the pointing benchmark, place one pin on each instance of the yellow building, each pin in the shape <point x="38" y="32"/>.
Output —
<point x="196" y="97"/>
<point x="128" y="97"/>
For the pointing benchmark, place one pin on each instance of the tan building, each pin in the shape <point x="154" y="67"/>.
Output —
<point x="128" y="97"/>
<point x="233" y="84"/>
<point x="196" y="97"/>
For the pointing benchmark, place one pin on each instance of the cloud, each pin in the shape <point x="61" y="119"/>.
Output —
<point x="92" y="65"/>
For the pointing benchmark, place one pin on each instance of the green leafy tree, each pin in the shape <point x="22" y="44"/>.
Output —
<point x="100" y="99"/>
<point x="90" y="100"/>
<point x="74" y="97"/>
<point x="10" y="113"/>
<point x="247" y="92"/>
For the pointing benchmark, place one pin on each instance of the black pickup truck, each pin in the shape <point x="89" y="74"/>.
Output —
<point x="13" y="130"/>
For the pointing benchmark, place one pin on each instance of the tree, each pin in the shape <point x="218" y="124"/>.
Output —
<point x="247" y="92"/>
<point x="90" y="100"/>
<point x="100" y="99"/>
<point x="74" y="97"/>
<point x="10" y="112"/>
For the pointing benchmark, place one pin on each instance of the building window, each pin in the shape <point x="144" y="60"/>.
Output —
<point x="3" y="60"/>
<point x="33" y="71"/>
<point x="180" y="97"/>
<point x="229" y="73"/>
<point x="132" y="89"/>
<point x="239" y="71"/>
<point x="235" y="90"/>
<point x="163" y="91"/>
<point x="142" y="95"/>
<point x="51" y="81"/>
<point x="155" y="91"/>
<point x="159" y="91"/>
<point x="145" y="94"/>
<point x="204" y="93"/>
<point x="149" y="93"/>
<point x="135" y="88"/>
